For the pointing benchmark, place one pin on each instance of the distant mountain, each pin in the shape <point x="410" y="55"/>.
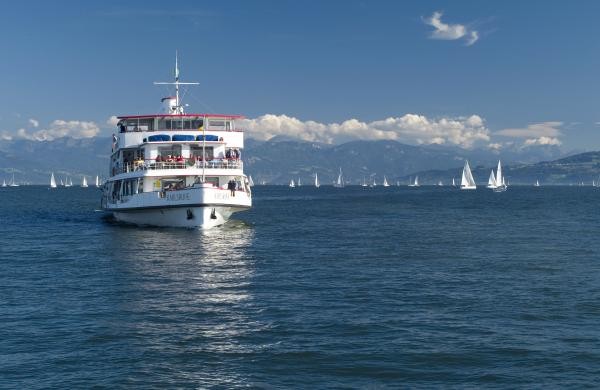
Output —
<point x="275" y="161"/>
<point x="583" y="167"/>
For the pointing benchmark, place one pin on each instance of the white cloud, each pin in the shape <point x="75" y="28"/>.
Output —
<point x="451" y="32"/>
<point x="34" y="122"/>
<point x="542" y="141"/>
<point x="495" y="146"/>
<point x="112" y="121"/>
<point x="57" y="129"/>
<point x="536" y="130"/>
<point x="410" y="128"/>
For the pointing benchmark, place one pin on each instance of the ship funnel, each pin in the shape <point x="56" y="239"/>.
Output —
<point x="169" y="105"/>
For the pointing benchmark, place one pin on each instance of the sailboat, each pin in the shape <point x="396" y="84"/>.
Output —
<point x="52" y="181"/>
<point x="67" y="184"/>
<point x="84" y="183"/>
<point x="492" y="180"/>
<point x="500" y="184"/>
<point x="415" y="183"/>
<point x="292" y="184"/>
<point x="317" y="184"/>
<point x="298" y="184"/>
<point x="13" y="183"/>
<point x="385" y="183"/>
<point x="98" y="180"/>
<point x="453" y="183"/>
<point x="364" y="183"/>
<point x="339" y="183"/>
<point x="3" y="183"/>
<point x="440" y="183"/>
<point x="467" y="181"/>
<point x="374" y="184"/>
<point x="537" y="183"/>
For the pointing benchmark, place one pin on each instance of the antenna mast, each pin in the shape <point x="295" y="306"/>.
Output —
<point x="178" y="107"/>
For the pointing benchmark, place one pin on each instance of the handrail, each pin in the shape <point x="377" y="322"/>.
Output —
<point x="152" y="164"/>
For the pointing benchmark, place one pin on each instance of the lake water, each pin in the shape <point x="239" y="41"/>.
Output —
<point x="312" y="288"/>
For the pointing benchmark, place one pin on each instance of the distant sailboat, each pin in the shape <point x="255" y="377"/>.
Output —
<point x="440" y="183"/>
<point x="374" y="184"/>
<point x="292" y="184"/>
<point x="52" y="181"/>
<point x="364" y="183"/>
<point x="339" y="183"/>
<point x="298" y="184"/>
<point x="98" y="180"/>
<point x="415" y="183"/>
<point x="492" y="180"/>
<point x="67" y="184"/>
<point x="13" y="183"/>
<point x="3" y="183"/>
<point x="385" y="183"/>
<point x="453" y="183"/>
<point x="317" y="184"/>
<point x="500" y="184"/>
<point x="250" y="181"/>
<point x="467" y="181"/>
<point x="84" y="183"/>
<point x="537" y="183"/>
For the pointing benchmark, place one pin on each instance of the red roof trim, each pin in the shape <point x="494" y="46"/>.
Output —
<point x="181" y="115"/>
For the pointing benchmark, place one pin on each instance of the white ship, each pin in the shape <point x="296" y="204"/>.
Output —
<point x="176" y="169"/>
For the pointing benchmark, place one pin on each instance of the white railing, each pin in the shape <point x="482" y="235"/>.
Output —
<point x="185" y="164"/>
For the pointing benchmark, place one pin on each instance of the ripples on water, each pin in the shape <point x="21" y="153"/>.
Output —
<point x="332" y="287"/>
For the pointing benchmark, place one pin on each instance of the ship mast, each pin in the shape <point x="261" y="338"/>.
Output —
<point x="177" y="83"/>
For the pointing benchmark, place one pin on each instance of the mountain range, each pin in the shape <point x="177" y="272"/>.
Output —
<point x="279" y="160"/>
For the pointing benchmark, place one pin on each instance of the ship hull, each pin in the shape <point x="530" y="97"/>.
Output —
<point x="191" y="217"/>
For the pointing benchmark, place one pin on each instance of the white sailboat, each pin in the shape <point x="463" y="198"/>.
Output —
<point x="250" y="181"/>
<point x="317" y="184"/>
<point x="364" y="183"/>
<point x="492" y="180"/>
<point x="385" y="183"/>
<point x="52" y="181"/>
<point x="467" y="181"/>
<point x="440" y="183"/>
<point x="84" y="183"/>
<point x="13" y="183"/>
<point x="339" y="183"/>
<point x="500" y="184"/>
<point x="374" y="184"/>
<point x="298" y="184"/>
<point x="537" y="183"/>
<point x="415" y="183"/>
<point x="292" y="184"/>
<point x="67" y="183"/>
<point x="453" y="183"/>
<point x="3" y="183"/>
<point x="98" y="181"/>
<point x="62" y="183"/>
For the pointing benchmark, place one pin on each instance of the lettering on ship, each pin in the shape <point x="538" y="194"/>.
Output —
<point x="177" y="197"/>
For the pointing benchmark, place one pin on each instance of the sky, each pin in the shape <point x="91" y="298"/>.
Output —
<point x="460" y="73"/>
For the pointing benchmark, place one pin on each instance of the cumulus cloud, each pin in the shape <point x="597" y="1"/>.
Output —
<point x="542" y="141"/>
<point x="57" y="129"/>
<point x="410" y="128"/>
<point x="112" y="121"/>
<point x="34" y="122"/>
<point x="450" y="32"/>
<point x="536" y="130"/>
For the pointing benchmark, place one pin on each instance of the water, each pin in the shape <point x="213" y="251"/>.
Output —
<point x="312" y="288"/>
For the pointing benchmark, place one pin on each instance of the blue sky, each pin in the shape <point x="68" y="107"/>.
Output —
<point x="312" y="66"/>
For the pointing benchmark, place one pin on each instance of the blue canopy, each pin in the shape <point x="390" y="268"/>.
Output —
<point x="159" y="138"/>
<point x="209" y="137"/>
<point x="183" y="137"/>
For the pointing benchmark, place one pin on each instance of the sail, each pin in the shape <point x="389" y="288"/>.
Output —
<point x="52" y="181"/>
<point x="340" y="180"/>
<point x="416" y="181"/>
<point x="453" y="183"/>
<point x="385" y="182"/>
<point x="467" y="180"/>
<point x="84" y="182"/>
<point x="317" y="180"/>
<point x="292" y="184"/>
<point x="3" y="183"/>
<point x="499" y="177"/>
<point x="492" y="180"/>
<point x="97" y="181"/>
<point x="250" y="181"/>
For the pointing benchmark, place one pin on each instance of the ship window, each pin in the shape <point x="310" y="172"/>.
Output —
<point x="197" y="123"/>
<point x="196" y="151"/>
<point x="217" y="123"/>
<point x="173" y="150"/>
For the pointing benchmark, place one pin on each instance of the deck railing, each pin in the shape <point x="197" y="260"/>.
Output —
<point x="186" y="164"/>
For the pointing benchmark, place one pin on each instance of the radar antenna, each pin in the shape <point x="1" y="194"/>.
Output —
<point x="178" y="107"/>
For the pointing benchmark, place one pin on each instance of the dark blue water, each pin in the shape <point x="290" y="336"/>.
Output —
<point x="327" y="288"/>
